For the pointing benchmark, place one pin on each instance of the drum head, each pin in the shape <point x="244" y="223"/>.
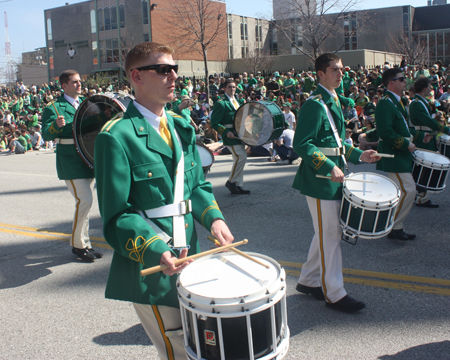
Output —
<point x="227" y="277"/>
<point x="254" y="123"/>
<point x="89" y="119"/>
<point x="433" y="160"/>
<point x="382" y="191"/>
<point x="206" y="157"/>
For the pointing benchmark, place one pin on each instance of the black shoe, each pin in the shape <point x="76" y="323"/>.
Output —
<point x="242" y="191"/>
<point x="95" y="253"/>
<point x="315" y="292"/>
<point x="428" y="204"/>
<point x="400" y="235"/>
<point x="83" y="254"/>
<point x="234" y="189"/>
<point x="347" y="304"/>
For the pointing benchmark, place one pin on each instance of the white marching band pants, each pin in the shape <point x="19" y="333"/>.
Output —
<point x="239" y="158"/>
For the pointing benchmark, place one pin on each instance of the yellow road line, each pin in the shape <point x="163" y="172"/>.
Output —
<point x="381" y="275"/>
<point x="388" y="285"/>
<point x="100" y="242"/>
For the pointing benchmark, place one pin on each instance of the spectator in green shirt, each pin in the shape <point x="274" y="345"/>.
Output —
<point x="289" y="86"/>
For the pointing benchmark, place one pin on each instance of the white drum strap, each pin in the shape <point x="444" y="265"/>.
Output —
<point x="334" y="129"/>
<point x="406" y="124"/>
<point x="177" y="210"/>
<point x="425" y="107"/>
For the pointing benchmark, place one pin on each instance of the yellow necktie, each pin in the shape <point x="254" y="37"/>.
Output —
<point x="165" y="133"/>
<point x="403" y="106"/>
<point x="336" y="100"/>
<point x="236" y="106"/>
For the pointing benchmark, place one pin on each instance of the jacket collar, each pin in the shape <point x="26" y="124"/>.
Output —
<point x="400" y="107"/>
<point x="66" y="106"/>
<point x="329" y="101"/>
<point x="425" y="101"/>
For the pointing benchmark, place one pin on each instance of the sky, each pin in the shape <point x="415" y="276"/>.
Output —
<point x="26" y="19"/>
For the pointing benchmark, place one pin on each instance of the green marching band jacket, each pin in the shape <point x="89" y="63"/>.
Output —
<point x="420" y="116"/>
<point x="395" y="135"/>
<point x="69" y="164"/>
<point x="313" y="134"/>
<point x="222" y="119"/>
<point x="135" y="170"/>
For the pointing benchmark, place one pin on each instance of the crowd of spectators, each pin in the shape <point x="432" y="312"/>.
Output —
<point x="21" y="106"/>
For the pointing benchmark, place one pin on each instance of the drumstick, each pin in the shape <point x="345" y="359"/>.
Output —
<point x="348" y="179"/>
<point x="383" y="155"/>
<point x="54" y="107"/>
<point x="177" y="262"/>
<point x="236" y="251"/>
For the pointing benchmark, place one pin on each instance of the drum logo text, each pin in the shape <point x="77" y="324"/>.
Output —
<point x="210" y="337"/>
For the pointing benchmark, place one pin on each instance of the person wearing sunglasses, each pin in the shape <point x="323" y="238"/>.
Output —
<point x="138" y="159"/>
<point x="420" y="114"/>
<point x="396" y="138"/>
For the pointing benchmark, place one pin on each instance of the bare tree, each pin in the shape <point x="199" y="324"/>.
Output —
<point x="307" y="24"/>
<point x="409" y="46"/>
<point x="197" y="26"/>
<point x="257" y="59"/>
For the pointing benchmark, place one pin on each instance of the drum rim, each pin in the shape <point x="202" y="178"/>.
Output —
<point x="382" y="205"/>
<point x="78" y="147"/>
<point x="212" y="155"/>
<point x="273" y="290"/>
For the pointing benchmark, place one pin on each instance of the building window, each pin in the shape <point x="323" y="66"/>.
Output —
<point x="100" y="20"/>
<point x="50" y="58"/>
<point x="230" y="52"/>
<point x="243" y="52"/>
<point x="242" y="31"/>
<point x="246" y="31"/>
<point x="107" y="18"/>
<point x="256" y="33"/>
<point x="146" y="37"/>
<point x="144" y="13"/>
<point x="49" y="29"/>
<point x="93" y="22"/>
<point x="274" y="49"/>
<point x="122" y="15"/>
<point x="94" y="52"/>
<point x="113" y="18"/>
<point x="230" y="30"/>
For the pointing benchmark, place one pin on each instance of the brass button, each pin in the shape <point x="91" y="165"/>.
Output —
<point x="192" y="164"/>
<point x="150" y="174"/>
<point x="141" y="129"/>
<point x="186" y="226"/>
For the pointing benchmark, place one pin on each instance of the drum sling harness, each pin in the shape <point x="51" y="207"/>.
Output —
<point x="177" y="210"/>
<point x="410" y="138"/>
<point x="340" y="149"/>
<point x="420" y="127"/>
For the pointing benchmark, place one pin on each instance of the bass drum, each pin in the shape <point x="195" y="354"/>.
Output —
<point x="258" y="122"/>
<point x="91" y="115"/>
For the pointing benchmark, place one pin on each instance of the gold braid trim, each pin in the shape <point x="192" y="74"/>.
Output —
<point x="215" y="206"/>
<point x="398" y="142"/>
<point x="221" y="129"/>
<point x="318" y="159"/>
<point x="347" y="155"/>
<point x="137" y="252"/>
<point x="53" y="129"/>
<point x="440" y="127"/>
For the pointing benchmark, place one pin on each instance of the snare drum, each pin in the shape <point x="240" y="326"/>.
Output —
<point x="444" y="145"/>
<point x="430" y="170"/>
<point x="206" y="157"/>
<point x="233" y="308"/>
<point x="258" y="122"/>
<point x="367" y="209"/>
<point x="91" y="115"/>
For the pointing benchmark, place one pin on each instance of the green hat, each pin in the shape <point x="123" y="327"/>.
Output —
<point x="294" y="103"/>
<point x="298" y="75"/>
<point x="288" y="104"/>
<point x="314" y="73"/>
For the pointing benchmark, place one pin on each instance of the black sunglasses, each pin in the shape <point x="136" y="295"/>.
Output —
<point x="401" y="79"/>
<point x="162" y="69"/>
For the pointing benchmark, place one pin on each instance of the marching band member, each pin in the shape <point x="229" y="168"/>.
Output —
<point x="149" y="177"/>
<point x="57" y="122"/>
<point x="324" y="152"/>
<point x="420" y="116"/>
<point x="398" y="139"/>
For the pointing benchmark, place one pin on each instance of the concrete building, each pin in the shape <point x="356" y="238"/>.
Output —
<point x="94" y="36"/>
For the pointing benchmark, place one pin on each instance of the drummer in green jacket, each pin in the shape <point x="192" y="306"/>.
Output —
<point x="398" y="139"/>
<point x="325" y="153"/>
<point x="138" y="160"/>
<point x="57" y="123"/>
<point x="222" y="119"/>
<point x="420" y="116"/>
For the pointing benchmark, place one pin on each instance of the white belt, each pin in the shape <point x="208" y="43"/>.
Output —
<point x="333" y="151"/>
<point x="229" y="126"/>
<point x="423" y="128"/>
<point x="66" y="141"/>
<point x="182" y="208"/>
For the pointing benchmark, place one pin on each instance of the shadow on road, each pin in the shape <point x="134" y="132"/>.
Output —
<point x="135" y="335"/>
<point x="439" y="350"/>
